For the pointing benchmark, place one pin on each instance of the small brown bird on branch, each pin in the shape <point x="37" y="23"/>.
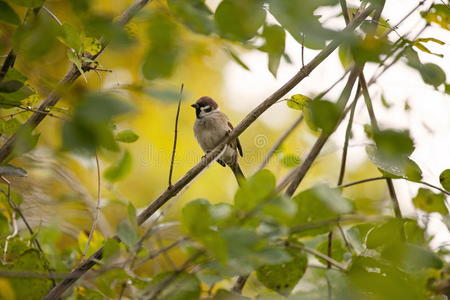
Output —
<point x="210" y="128"/>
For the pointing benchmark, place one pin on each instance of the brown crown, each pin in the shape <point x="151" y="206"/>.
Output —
<point x="205" y="101"/>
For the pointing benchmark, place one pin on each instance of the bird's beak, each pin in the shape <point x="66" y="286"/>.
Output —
<point x="195" y="105"/>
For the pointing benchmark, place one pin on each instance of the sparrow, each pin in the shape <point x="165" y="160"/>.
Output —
<point x="210" y="128"/>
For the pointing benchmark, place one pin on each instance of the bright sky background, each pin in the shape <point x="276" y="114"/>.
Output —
<point x="428" y="120"/>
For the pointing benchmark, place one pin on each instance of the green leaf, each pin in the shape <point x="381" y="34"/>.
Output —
<point x="274" y="36"/>
<point x="10" y="86"/>
<point x="127" y="136"/>
<point x="28" y="259"/>
<point x="317" y="204"/>
<point x="76" y="60"/>
<point x="393" y="143"/>
<point x="247" y="251"/>
<point x="239" y="20"/>
<point x="11" y="170"/>
<point x="430" y="202"/>
<point x="36" y="38"/>
<point x="104" y="26"/>
<point x="236" y="58"/>
<point x="370" y="48"/>
<point x="444" y="179"/>
<point x="384" y="102"/>
<point x="412" y="257"/>
<point x="8" y="15"/>
<point x="127" y="234"/>
<point x="323" y="115"/>
<point x="161" y="57"/>
<point x="255" y="190"/>
<point x="9" y="127"/>
<point x="13" y="89"/>
<point x="345" y="56"/>
<point x="90" y="126"/>
<point x="282" y="209"/>
<point x="28" y="3"/>
<point x="298" y="102"/>
<point x="432" y="74"/>
<point x="196" y="217"/>
<point x="423" y="48"/>
<point x="223" y="294"/>
<point x="194" y="14"/>
<point x="70" y="37"/>
<point x="282" y="278"/>
<point x="379" y="279"/>
<point x="184" y="286"/>
<point x="25" y="142"/>
<point x="392" y="231"/>
<point x="119" y="169"/>
<point x="111" y="248"/>
<point x="299" y="19"/>
<point x="394" y="167"/>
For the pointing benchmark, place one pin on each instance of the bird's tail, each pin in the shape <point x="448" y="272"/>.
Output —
<point x="240" y="177"/>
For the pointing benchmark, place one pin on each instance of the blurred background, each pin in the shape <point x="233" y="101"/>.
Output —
<point x="61" y="189"/>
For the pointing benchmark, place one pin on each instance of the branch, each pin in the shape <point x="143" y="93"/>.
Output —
<point x="296" y="175"/>
<point x="211" y="156"/>
<point x="348" y="133"/>
<point x="383" y="177"/>
<point x="318" y="254"/>
<point x="175" y="136"/>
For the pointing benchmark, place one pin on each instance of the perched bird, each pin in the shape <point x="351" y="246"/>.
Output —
<point x="210" y="128"/>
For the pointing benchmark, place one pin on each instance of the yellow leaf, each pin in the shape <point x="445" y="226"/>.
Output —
<point x="91" y="45"/>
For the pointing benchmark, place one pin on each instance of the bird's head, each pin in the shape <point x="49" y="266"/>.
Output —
<point x="204" y="106"/>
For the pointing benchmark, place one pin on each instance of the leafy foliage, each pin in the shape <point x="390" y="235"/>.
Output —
<point x="196" y="249"/>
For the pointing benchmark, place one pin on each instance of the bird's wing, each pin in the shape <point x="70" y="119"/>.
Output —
<point x="239" y="147"/>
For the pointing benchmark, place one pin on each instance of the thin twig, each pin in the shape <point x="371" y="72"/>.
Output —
<point x="303" y="50"/>
<point x="175" y="136"/>
<point x="344" y="237"/>
<point x="318" y="254"/>
<point x="97" y="207"/>
<point x="348" y="133"/>
<point x="54" y="17"/>
<point x="383" y="177"/>
<point x="279" y="142"/>
<point x="30" y="109"/>
<point x="361" y="181"/>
